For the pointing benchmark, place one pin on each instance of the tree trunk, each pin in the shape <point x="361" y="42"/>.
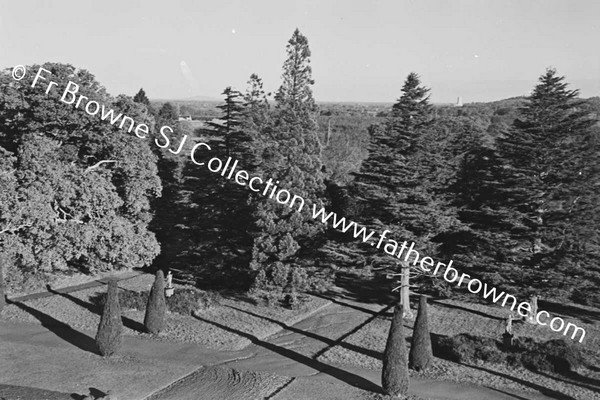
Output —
<point x="534" y="310"/>
<point x="405" y="292"/>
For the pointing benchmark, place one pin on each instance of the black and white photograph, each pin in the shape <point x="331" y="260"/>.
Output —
<point x="300" y="200"/>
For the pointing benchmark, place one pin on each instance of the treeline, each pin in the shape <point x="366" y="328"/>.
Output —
<point x="509" y="190"/>
<point x="510" y="193"/>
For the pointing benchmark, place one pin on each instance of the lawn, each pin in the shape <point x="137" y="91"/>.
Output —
<point x="451" y="317"/>
<point x="77" y="310"/>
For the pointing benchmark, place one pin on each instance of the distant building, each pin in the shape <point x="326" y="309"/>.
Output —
<point x="186" y="118"/>
<point x="459" y="102"/>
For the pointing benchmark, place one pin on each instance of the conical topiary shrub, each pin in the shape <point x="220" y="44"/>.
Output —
<point x="2" y="285"/>
<point x="394" y="376"/>
<point x="110" y="331"/>
<point x="154" y="320"/>
<point x="421" y="357"/>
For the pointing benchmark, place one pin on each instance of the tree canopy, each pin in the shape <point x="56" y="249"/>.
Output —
<point x="79" y="190"/>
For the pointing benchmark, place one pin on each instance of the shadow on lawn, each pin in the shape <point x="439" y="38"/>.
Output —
<point x="454" y="306"/>
<point x="370" y="290"/>
<point x="508" y="393"/>
<point x="128" y="322"/>
<point x="344" y="376"/>
<point x="577" y="380"/>
<point x="329" y="342"/>
<point x="60" y="329"/>
<point x="544" y="390"/>
<point x="334" y="299"/>
<point x="569" y="310"/>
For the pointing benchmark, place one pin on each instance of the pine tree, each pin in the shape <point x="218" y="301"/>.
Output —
<point x="141" y="98"/>
<point x="110" y="330"/>
<point x="236" y="140"/>
<point x="154" y="320"/>
<point x="550" y="163"/>
<point x="480" y="197"/>
<point x="290" y="155"/>
<point x="411" y="112"/>
<point x="396" y="180"/>
<point x="394" y="376"/>
<point x="255" y="120"/>
<point x="420" y="357"/>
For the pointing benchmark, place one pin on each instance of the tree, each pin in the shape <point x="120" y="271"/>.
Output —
<point x="168" y="112"/>
<point x="394" y="376"/>
<point x="141" y="98"/>
<point x="290" y="155"/>
<point x="110" y="330"/>
<point x="154" y="320"/>
<point x="79" y="187"/>
<point x="255" y="120"/>
<point x="397" y="181"/>
<point x="530" y="205"/>
<point x="236" y="140"/>
<point x="411" y="112"/>
<point x="553" y="162"/>
<point x="420" y="356"/>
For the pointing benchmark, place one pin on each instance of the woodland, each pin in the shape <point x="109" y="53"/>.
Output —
<point x="510" y="190"/>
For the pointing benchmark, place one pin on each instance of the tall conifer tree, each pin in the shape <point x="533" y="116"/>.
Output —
<point x="532" y="204"/>
<point x="553" y="173"/>
<point x="290" y="155"/>
<point x="235" y="139"/>
<point x="395" y="179"/>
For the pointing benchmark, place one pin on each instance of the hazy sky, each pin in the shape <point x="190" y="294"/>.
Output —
<point x="361" y="50"/>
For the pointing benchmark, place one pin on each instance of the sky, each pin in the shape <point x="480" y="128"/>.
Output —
<point x="362" y="51"/>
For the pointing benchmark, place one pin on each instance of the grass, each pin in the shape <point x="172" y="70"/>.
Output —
<point x="452" y="317"/>
<point x="81" y="310"/>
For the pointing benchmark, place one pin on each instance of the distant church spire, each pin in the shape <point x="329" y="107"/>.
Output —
<point x="459" y="102"/>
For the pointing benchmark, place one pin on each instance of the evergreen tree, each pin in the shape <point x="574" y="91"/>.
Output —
<point x="140" y="97"/>
<point x="532" y="207"/>
<point x="290" y="155"/>
<point x="553" y="163"/>
<point x="530" y="212"/>
<point x="487" y="223"/>
<point x="154" y="320"/>
<point x="235" y="139"/>
<point x="255" y="120"/>
<point x="397" y="180"/>
<point x="411" y="112"/>
<point x="110" y="330"/>
<point x="420" y="356"/>
<point x="394" y="375"/>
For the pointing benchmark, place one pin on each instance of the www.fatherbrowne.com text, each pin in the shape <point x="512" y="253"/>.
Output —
<point x="268" y="188"/>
